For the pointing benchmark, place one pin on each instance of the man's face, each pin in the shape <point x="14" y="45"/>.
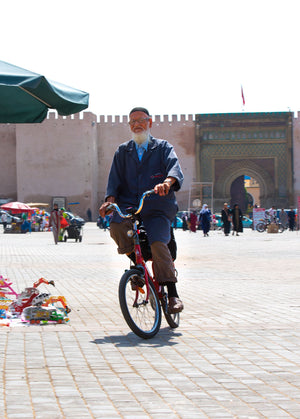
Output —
<point x="139" y="122"/>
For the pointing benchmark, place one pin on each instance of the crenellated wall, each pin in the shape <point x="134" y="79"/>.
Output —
<point x="71" y="157"/>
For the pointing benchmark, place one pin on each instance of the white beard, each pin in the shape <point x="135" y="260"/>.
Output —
<point x="140" y="137"/>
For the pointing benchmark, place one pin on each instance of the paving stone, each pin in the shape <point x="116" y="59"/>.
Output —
<point x="235" y="355"/>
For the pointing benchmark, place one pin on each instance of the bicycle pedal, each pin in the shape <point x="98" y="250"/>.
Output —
<point x="137" y="283"/>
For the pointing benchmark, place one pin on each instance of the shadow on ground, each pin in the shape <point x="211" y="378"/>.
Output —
<point x="164" y="338"/>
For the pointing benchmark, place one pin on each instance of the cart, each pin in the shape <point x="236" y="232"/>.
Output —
<point x="73" y="231"/>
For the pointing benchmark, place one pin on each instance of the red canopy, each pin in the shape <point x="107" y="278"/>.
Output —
<point x="16" y="207"/>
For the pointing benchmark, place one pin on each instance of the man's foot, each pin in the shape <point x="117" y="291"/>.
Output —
<point x="137" y="281"/>
<point x="175" y="305"/>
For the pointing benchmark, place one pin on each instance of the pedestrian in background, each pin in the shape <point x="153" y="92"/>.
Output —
<point x="205" y="219"/>
<point x="89" y="214"/>
<point x="54" y="222"/>
<point x="291" y="217"/>
<point x="184" y="221"/>
<point x="4" y="220"/>
<point x="226" y="219"/>
<point x="283" y="218"/>
<point x="237" y="220"/>
<point x="193" y="225"/>
<point x="272" y="213"/>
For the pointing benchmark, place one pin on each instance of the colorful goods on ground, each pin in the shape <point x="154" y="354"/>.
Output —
<point x="31" y="306"/>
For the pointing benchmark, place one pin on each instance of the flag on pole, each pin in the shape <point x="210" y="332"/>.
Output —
<point x="243" y="97"/>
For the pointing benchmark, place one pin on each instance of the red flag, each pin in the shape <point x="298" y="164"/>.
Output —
<point x="243" y="97"/>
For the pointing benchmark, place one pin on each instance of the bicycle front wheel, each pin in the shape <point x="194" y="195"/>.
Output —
<point x="143" y="317"/>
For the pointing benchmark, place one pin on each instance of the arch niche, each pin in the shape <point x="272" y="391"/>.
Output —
<point x="241" y="168"/>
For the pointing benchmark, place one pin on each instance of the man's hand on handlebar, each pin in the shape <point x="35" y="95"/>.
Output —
<point x="103" y="211"/>
<point x="163" y="189"/>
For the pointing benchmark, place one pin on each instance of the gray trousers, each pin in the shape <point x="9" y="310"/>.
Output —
<point x="163" y="266"/>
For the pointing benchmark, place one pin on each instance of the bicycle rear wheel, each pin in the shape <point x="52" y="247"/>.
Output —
<point x="172" y="319"/>
<point x="143" y="317"/>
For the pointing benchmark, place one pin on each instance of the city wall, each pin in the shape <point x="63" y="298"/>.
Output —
<point x="71" y="157"/>
<point x="8" y="169"/>
<point x="296" y="155"/>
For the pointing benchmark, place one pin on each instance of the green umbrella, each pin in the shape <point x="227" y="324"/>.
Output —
<point x="26" y="96"/>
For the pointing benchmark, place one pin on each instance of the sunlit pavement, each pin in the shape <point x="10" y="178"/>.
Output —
<point x="235" y="354"/>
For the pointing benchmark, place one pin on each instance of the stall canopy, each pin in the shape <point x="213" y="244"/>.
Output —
<point x="16" y="207"/>
<point x="25" y="97"/>
<point x="37" y="204"/>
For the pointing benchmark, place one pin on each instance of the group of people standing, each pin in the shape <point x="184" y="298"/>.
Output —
<point x="194" y="221"/>
<point x="232" y="217"/>
<point x="288" y="219"/>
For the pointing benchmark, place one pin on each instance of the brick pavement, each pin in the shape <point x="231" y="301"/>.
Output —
<point x="235" y="355"/>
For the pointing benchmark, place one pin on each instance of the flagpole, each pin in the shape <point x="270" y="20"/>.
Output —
<point x="243" y="98"/>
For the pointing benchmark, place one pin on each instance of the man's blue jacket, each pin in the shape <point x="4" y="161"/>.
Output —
<point x="129" y="178"/>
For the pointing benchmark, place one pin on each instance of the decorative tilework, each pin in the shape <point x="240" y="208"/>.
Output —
<point x="245" y="137"/>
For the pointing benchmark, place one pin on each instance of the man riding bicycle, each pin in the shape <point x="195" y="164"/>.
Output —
<point x="141" y="164"/>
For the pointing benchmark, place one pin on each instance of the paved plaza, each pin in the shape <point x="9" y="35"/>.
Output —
<point x="236" y="353"/>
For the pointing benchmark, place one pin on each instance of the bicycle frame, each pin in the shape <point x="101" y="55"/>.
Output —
<point x="137" y="248"/>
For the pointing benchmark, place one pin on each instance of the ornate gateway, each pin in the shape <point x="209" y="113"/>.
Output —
<point x="259" y="145"/>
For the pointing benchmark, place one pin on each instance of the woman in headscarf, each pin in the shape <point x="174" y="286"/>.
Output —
<point x="237" y="220"/>
<point x="204" y="219"/>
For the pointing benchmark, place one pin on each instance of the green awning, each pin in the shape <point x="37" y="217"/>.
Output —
<point x="25" y="97"/>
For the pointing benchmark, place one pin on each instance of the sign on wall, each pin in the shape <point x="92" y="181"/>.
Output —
<point x="60" y="201"/>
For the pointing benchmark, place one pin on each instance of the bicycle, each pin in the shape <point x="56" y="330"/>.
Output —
<point x="141" y="297"/>
<point x="264" y="223"/>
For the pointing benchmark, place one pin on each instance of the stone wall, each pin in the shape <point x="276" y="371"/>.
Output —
<point x="8" y="171"/>
<point x="296" y="153"/>
<point x="58" y="158"/>
<point x="71" y="157"/>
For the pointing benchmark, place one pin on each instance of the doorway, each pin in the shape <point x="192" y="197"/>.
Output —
<point x="245" y="191"/>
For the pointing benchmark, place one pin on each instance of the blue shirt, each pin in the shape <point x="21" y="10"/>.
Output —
<point x="140" y="149"/>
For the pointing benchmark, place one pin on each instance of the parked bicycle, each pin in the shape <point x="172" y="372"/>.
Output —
<point x="141" y="297"/>
<point x="265" y="222"/>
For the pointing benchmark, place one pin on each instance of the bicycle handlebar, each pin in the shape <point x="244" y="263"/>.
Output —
<point x="115" y="207"/>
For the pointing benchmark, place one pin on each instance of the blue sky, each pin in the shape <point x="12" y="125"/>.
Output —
<point x="174" y="57"/>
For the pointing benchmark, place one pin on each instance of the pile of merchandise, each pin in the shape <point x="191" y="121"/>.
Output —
<point x="30" y="306"/>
